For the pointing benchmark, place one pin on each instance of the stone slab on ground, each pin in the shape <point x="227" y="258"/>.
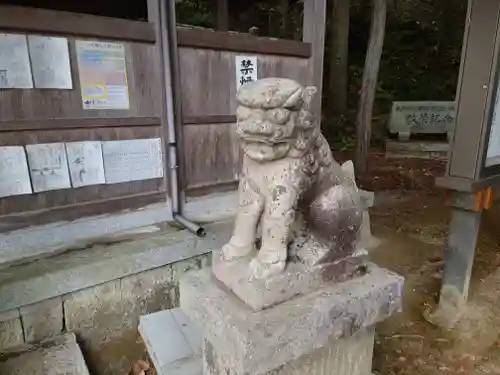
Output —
<point x="257" y="342"/>
<point x="62" y="355"/>
<point x="297" y="278"/>
<point x="173" y="343"/>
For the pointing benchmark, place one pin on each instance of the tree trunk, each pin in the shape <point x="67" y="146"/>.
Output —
<point x="339" y="56"/>
<point x="285" y="18"/>
<point x="222" y="15"/>
<point x="369" y="84"/>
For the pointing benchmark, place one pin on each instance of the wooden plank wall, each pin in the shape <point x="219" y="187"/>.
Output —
<point x="46" y="116"/>
<point x="211" y="152"/>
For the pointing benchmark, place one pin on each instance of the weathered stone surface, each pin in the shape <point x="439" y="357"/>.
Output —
<point x="297" y="278"/>
<point x="11" y="333"/>
<point x="60" y="356"/>
<point x="291" y="187"/>
<point x="96" y="311"/>
<point x="147" y="292"/>
<point x="257" y="342"/>
<point x="346" y="356"/>
<point x="42" y="320"/>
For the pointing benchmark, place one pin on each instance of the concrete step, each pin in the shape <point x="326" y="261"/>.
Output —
<point x="416" y="149"/>
<point x="60" y="355"/>
<point x="173" y="343"/>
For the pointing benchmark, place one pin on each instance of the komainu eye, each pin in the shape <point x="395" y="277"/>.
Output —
<point x="278" y="115"/>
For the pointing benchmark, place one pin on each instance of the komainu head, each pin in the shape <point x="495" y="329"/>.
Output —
<point x="274" y="119"/>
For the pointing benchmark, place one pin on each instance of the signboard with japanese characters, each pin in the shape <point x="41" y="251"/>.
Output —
<point x="422" y="117"/>
<point x="246" y="70"/>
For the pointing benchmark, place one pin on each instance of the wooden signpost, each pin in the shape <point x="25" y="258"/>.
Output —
<point x="473" y="169"/>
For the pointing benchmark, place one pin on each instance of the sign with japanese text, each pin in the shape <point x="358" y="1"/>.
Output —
<point x="246" y="70"/>
<point x="423" y="117"/>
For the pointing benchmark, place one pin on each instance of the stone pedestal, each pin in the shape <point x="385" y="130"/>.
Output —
<point x="329" y="331"/>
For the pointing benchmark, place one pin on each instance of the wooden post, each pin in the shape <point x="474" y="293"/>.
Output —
<point x="339" y="52"/>
<point x="369" y="85"/>
<point x="313" y="32"/>
<point x="222" y="15"/>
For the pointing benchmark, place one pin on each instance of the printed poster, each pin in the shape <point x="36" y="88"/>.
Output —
<point x="15" y="70"/>
<point x="132" y="160"/>
<point x="246" y="70"/>
<point x="103" y="75"/>
<point x="50" y="62"/>
<point x="493" y="151"/>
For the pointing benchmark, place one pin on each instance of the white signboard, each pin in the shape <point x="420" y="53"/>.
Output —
<point x="48" y="166"/>
<point x="85" y="162"/>
<point x="493" y="151"/>
<point x="50" y="62"/>
<point x="15" y="72"/>
<point x="103" y="75"/>
<point x="14" y="175"/>
<point x="246" y="70"/>
<point x="134" y="160"/>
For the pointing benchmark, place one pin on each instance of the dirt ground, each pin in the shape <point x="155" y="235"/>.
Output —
<point x="411" y="219"/>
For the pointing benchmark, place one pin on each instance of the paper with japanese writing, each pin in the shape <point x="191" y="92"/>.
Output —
<point x="86" y="165"/>
<point x="103" y="75"/>
<point x="50" y="62"/>
<point x="246" y="70"/>
<point x="14" y="174"/>
<point x="15" y="71"/>
<point x="493" y="151"/>
<point x="133" y="160"/>
<point x="48" y="166"/>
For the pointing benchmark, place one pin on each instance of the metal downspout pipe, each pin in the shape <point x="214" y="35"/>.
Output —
<point x="169" y="65"/>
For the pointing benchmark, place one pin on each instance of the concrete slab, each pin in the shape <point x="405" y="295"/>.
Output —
<point x="257" y="342"/>
<point x="59" y="356"/>
<point x="297" y="278"/>
<point x="173" y="343"/>
<point x="76" y="270"/>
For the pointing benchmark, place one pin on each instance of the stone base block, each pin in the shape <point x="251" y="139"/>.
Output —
<point x="349" y="356"/>
<point x="256" y="343"/>
<point x="297" y="279"/>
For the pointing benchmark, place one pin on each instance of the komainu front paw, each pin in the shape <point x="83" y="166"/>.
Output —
<point x="232" y="252"/>
<point x="261" y="270"/>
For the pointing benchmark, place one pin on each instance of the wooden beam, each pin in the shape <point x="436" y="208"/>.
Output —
<point x="209" y="119"/>
<point x="313" y="32"/>
<point x="234" y="42"/>
<point x="77" y="211"/>
<point x="34" y="20"/>
<point x="78" y="123"/>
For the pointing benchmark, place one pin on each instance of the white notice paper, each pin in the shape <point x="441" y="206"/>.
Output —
<point x="85" y="163"/>
<point x="493" y="151"/>
<point x="103" y="75"/>
<point x="134" y="160"/>
<point x="48" y="166"/>
<point x="14" y="175"/>
<point x="15" y="72"/>
<point x="50" y="62"/>
<point x="246" y="70"/>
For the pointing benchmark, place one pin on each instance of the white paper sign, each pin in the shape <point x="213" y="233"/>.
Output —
<point x="103" y="75"/>
<point x="14" y="175"/>
<point x="48" y="166"/>
<point x="50" y="62"/>
<point x="85" y="162"/>
<point x="134" y="160"/>
<point x="15" y="72"/>
<point x="246" y="70"/>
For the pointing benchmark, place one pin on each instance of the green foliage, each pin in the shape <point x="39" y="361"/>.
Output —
<point x="420" y="60"/>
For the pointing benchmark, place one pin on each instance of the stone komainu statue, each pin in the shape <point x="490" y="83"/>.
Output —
<point x="304" y="203"/>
